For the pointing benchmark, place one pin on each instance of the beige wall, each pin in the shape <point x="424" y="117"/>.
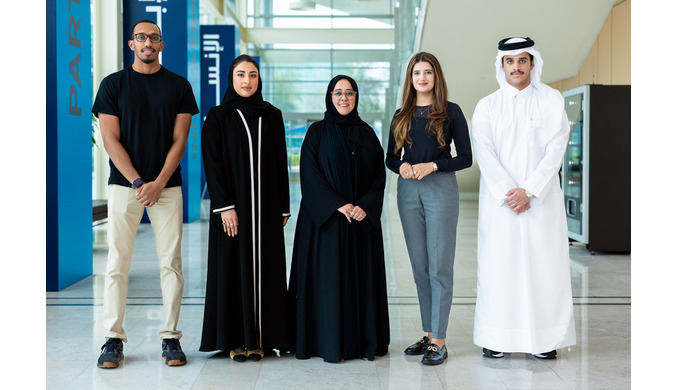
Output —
<point x="609" y="60"/>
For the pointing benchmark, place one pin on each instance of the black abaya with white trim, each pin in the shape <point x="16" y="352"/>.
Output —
<point x="246" y="298"/>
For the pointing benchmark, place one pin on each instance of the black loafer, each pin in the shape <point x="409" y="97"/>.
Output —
<point x="419" y="347"/>
<point x="546" y="355"/>
<point x="434" y="355"/>
<point x="492" y="354"/>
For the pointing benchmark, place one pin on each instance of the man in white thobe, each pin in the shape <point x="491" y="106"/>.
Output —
<point x="519" y="135"/>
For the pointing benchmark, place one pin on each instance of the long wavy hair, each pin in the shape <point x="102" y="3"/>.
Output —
<point x="435" y="121"/>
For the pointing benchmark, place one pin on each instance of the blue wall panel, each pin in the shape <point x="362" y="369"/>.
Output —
<point x="219" y="45"/>
<point x="69" y="151"/>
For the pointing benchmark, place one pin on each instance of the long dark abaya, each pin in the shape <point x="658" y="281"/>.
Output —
<point x="338" y="273"/>
<point x="246" y="301"/>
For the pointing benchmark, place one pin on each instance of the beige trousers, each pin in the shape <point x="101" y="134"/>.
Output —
<point x="124" y="216"/>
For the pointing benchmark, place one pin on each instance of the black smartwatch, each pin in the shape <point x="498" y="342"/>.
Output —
<point x="137" y="183"/>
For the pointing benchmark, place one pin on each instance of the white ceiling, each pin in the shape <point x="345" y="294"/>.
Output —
<point x="463" y="35"/>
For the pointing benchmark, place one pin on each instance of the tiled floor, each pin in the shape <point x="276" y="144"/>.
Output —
<point x="601" y="359"/>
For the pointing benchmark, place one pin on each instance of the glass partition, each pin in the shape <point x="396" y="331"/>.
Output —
<point x="320" y="14"/>
<point x="295" y="75"/>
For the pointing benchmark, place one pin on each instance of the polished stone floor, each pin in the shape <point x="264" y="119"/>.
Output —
<point x="601" y="359"/>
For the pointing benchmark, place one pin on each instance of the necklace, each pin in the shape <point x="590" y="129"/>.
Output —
<point x="422" y="112"/>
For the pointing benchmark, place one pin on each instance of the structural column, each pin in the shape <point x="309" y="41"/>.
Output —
<point x="68" y="205"/>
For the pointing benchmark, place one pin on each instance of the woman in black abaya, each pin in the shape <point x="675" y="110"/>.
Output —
<point x="338" y="273"/>
<point x="243" y="143"/>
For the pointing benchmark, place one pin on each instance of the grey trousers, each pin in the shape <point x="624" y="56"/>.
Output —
<point x="429" y="211"/>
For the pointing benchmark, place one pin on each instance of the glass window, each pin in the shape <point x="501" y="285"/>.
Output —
<point x="325" y="14"/>
<point x="298" y="89"/>
<point x="295" y="75"/>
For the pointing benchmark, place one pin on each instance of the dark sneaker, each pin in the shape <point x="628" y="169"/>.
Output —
<point x="546" y="355"/>
<point x="172" y="353"/>
<point x="434" y="355"/>
<point x="419" y="347"/>
<point x="492" y="354"/>
<point x="111" y="354"/>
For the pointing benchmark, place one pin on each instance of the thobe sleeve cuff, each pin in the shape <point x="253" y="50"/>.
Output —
<point x="537" y="185"/>
<point x="499" y="190"/>
<point x="217" y="211"/>
<point x="287" y="215"/>
<point x="541" y="192"/>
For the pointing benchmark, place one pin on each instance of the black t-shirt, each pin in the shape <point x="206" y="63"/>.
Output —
<point x="147" y="106"/>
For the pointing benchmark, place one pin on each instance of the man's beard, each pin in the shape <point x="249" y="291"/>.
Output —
<point x="145" y="59"/>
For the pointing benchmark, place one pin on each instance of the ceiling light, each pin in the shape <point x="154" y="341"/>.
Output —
<point x="302" y="5"/>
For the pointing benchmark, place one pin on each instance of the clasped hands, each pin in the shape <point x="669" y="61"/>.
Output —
<point x="351" y="211"/>
<point x="416" y="171"/>
<point x="517" y="200"/>
<point x="149" y="193"/>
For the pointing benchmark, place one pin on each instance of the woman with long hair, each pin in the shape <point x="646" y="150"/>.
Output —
<point x="245" y="157"/>
<point x="419" y="151"/>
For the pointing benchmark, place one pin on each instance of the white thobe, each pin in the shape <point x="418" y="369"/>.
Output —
<point x="524" y="291"/>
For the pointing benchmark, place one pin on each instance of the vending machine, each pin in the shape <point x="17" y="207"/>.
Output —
<point x="596" y="174"/>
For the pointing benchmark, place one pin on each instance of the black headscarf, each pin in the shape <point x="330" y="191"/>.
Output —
<point x="253" y="105"/>
<point x="350" y="124"/>
<point x="353" y="149"/>
<point x="331" y="113"/>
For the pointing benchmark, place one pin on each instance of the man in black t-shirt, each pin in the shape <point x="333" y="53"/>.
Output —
<point x="144" y="115"/>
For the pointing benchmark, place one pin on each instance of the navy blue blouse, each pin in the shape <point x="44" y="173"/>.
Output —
<point x="425" y="147"/>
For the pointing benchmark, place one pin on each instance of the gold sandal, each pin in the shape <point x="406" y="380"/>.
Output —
<point x="255" y="356"/>
<point x="238" y="356"/>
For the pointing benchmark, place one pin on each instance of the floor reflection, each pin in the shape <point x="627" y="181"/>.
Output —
<point x="601" y="358"/>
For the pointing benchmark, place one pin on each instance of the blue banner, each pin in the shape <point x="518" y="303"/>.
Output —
<point x="69" y="145"/>
<point x="219" y="45"/>
<point x="180" y="27"/>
